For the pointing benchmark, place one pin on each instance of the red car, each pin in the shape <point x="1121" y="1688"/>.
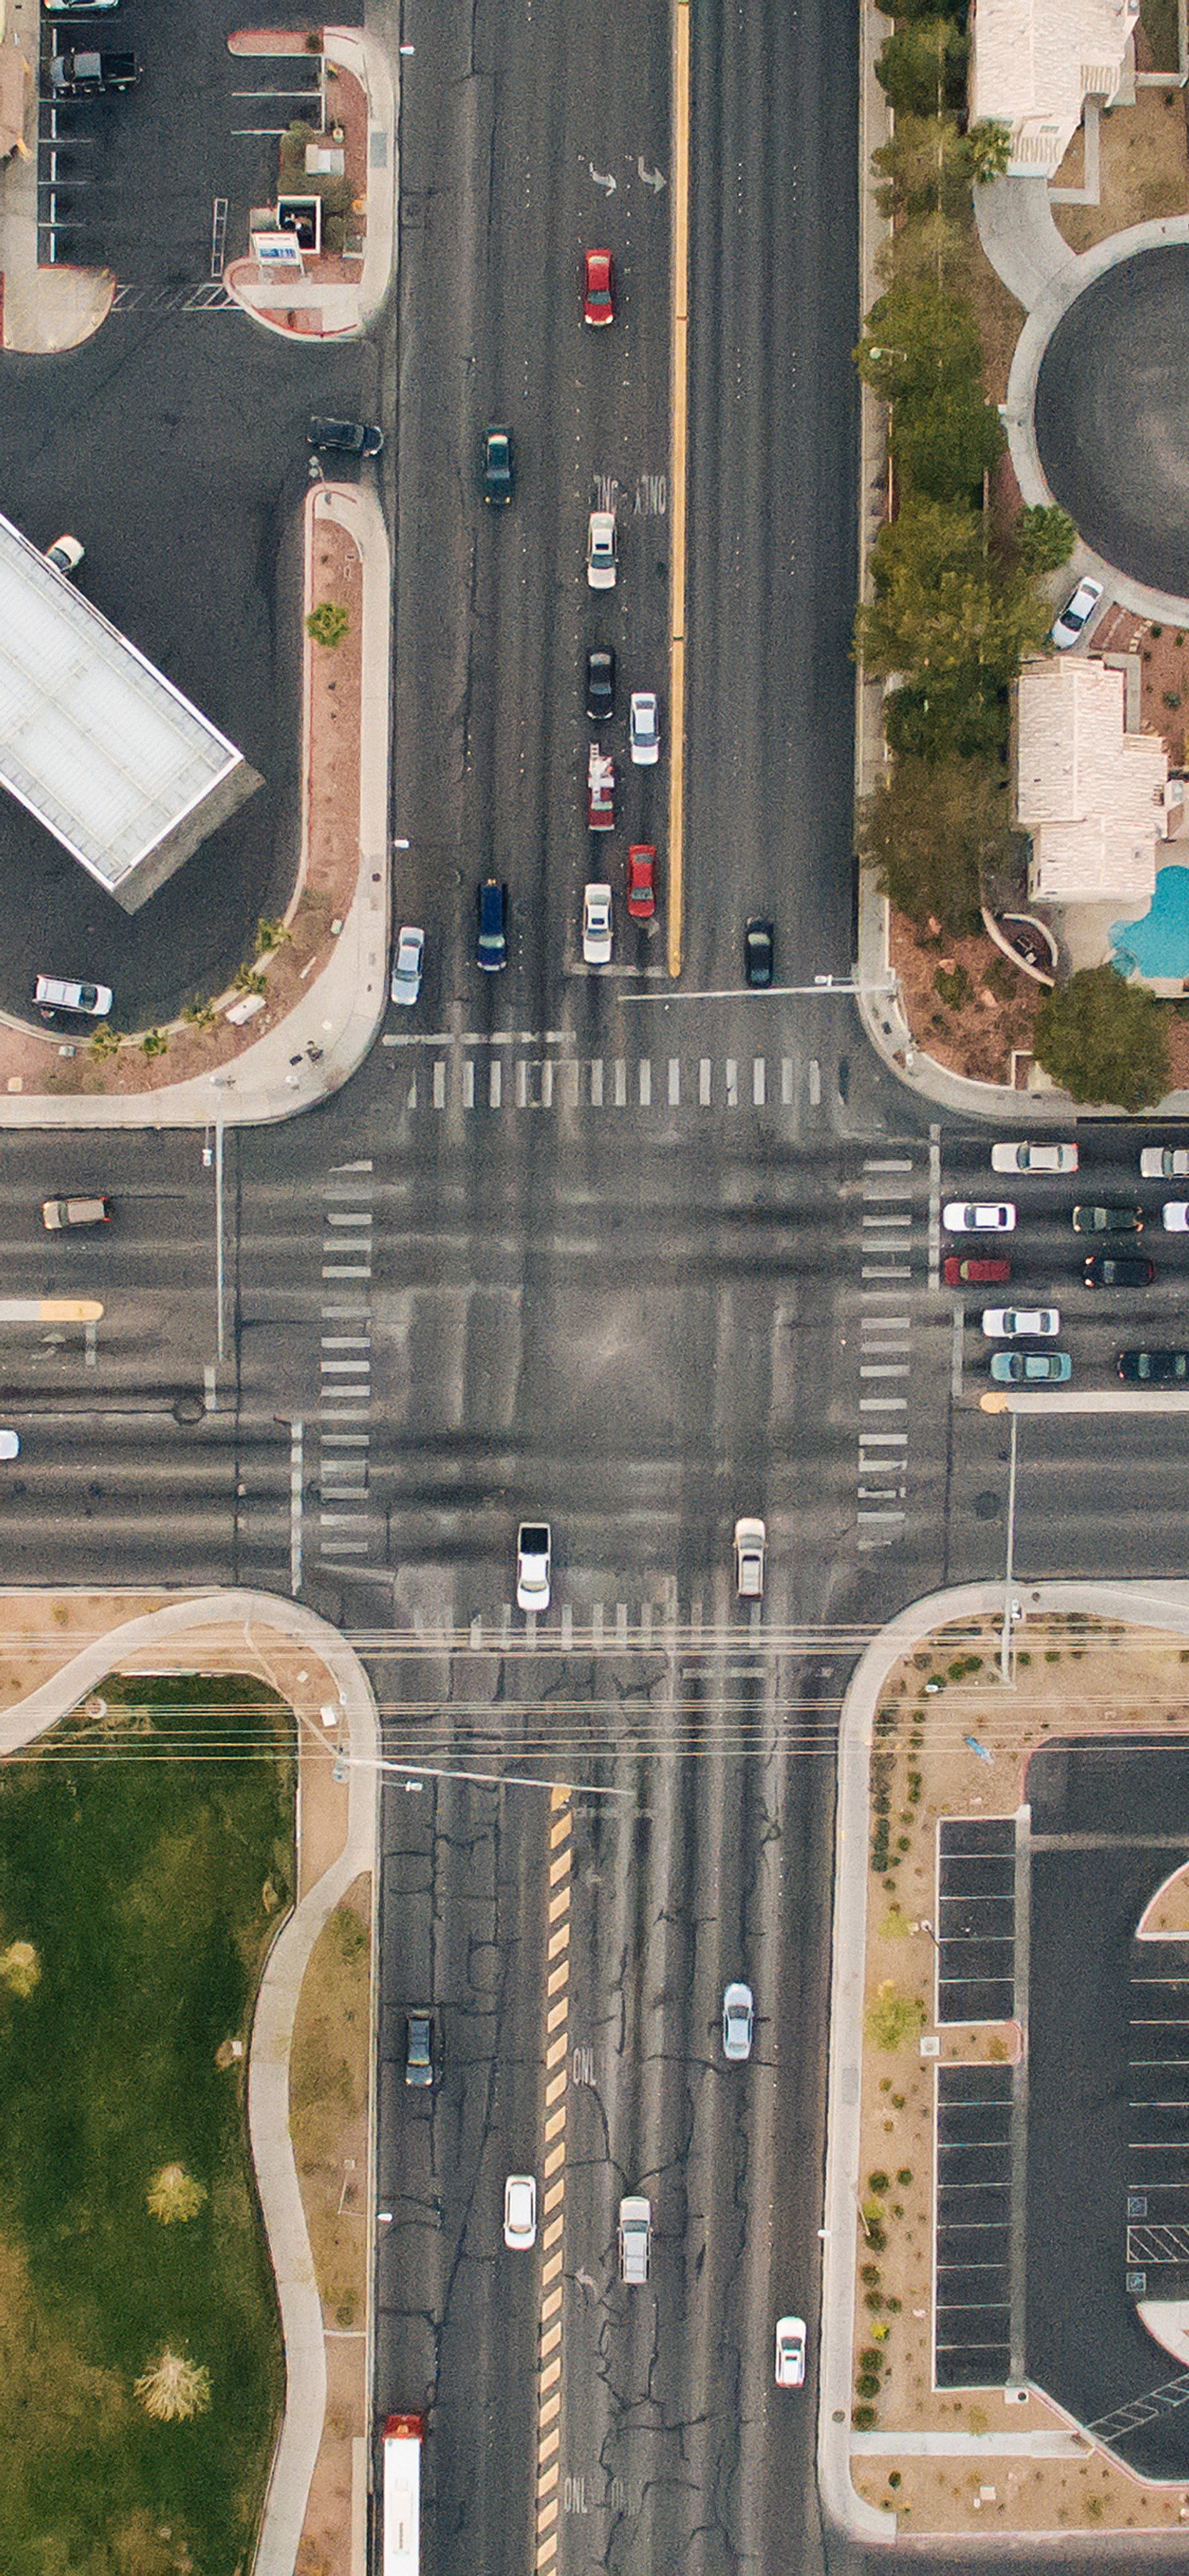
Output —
<point x="598" y="288"/>
<point x="600" y="790"/>
<point x="965" y="1269"/>
<point x="642" y="882"/>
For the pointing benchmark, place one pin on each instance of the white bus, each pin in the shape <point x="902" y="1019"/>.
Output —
<point x="400" y="2546"/>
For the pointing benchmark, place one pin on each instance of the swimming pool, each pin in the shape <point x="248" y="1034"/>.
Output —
<point x="1159" y="944"/>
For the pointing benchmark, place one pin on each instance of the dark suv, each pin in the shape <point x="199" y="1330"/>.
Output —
<point x="419" y="2048"/>
<point x="1153" y="1368"/>
<point x="600" y="684"/>
<point x="491" y="934"/>
<point x="346" y="437"/>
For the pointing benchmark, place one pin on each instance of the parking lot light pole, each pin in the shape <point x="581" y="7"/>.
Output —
<point x="1006" y="1661"/>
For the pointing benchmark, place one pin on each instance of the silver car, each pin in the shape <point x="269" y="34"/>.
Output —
<point x="1031" y="1157"/>
<point x="1014" y="1323"/>
<point x="1165" y="1163"/>
<point x="407" y="964"/>
<point x="738" y="2022"/>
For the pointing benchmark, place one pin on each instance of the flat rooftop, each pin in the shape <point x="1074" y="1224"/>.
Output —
<point x="93" y="741"/>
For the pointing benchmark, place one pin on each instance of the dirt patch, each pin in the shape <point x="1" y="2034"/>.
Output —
<point x="328" y="2118"/>
<point x="1143" y="169"/>
<point x="983" y="1010"/>
<point x="1000" y="321"/>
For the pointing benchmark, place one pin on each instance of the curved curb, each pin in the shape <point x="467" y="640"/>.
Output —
<point x="1050" y="308"/>
<point x="1155" y="1604"/>
<point x="276" y="2003"/>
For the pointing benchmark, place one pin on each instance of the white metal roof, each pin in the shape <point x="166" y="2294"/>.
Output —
<point x="103" y="750"/>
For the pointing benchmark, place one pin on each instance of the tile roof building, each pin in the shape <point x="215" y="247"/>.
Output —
<point x="1091" y="795"/>
<point x="1033" y="65"/>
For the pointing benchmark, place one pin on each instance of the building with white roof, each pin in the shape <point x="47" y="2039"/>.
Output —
<point x="103" y="750"/>
<point x="1033" y="65"/>
<point x="1091" y="795"/>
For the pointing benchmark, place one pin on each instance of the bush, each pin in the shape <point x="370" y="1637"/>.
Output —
<point x="893" y="2017"/>
<point x="878" y="2183"/>
<point x="953" y="986"/>
<point x="328" y="623"/>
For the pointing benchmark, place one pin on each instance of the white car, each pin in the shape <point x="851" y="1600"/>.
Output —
<point x="600" y="550"/>
<point x="751" y="1539"/>
<point x="407" y="964"/>
<point x="65" y="554"/>
<point x="62" y="993"/>
<point x="1017" y="1323"/>
<point x="644" y="726"/>
<point x="1174" y="1216"/>
<point x="997" y="1218"/>
<point x="597" y="925"/>
<point x="790" y="2352"/>
<point x="1165" y="1163"/>
<point x="534" y="1558"/>
<point x="1067" y="627"/>
<point x="1034" y="1158"/>
<point x="520" y="2212"/>
<point x="738" y="2022"/>
<point x="10" y="1446"/>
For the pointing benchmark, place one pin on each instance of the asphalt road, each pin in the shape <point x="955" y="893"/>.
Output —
<point x="1113" y="384"/>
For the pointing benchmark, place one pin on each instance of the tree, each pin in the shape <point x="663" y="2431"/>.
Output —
<point x="174" y="2196"/>
<point x="328" y="623"/>
<point x="173" y="2389"/>
<point x="943" y="609"/>
<point x="915" y="338"/>
<point x="1104" y="1040"/>
<point x="922" y="67"/>
<point x="988" y="150"/>
<point x="968" y="721"/>
<point x="933" y="249"/>
<point x="929" y="831"/>
<point x="1046" y="537"/>
<point x="925" y="163"/>
<point x="947" y="443"/>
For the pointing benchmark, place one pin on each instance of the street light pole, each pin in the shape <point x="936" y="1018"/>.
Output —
<point x="1005" y="1650"/>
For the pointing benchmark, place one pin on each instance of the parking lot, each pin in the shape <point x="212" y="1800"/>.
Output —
<point x="1047" y="1258"/>
<point x="976" y="1899"/>
<point x="972" y="2300"/>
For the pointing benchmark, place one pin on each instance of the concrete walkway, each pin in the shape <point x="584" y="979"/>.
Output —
<point x="1158" y="1605"/>
<point x="344" y="309"/>
<point x="261" y="1617"/>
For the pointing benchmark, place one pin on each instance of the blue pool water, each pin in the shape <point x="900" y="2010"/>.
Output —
<point x="1159" y="944"/>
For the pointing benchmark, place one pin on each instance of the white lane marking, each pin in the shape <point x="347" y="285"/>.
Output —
<point x="704" y="1082"/>
<point x="674" y="1081"/>
<point x="759" y="1081"/>
<point x="645" y="1083"/>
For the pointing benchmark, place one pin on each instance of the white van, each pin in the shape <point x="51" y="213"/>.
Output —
<point x="635" y="2237"/>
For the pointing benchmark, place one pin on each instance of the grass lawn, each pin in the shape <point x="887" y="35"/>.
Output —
<point x="146" y="1873"/>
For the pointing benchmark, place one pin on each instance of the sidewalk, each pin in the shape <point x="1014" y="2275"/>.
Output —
<point x="334" y="300"/>
<point x="252" y="1632"/>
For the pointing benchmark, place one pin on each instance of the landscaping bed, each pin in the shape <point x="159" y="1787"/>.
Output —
<point x="146" y="1855"/>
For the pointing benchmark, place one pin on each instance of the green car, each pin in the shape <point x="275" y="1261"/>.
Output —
<point x="499" y="472"/>
<point x="1108" y="1220"/>
<point x="1031" y="1368"/>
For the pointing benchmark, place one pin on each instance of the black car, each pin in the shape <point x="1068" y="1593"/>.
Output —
<point x="600" y="684"/>
<point x="1153" y="1368"/>
<point x="89" y="75"/>
<point x="1108" y="1220"/>
<point x="419" y="2048"/>
<point x="759" y="944"/>
<point x="499" y="471"/>
<point x="346" y="437"/>
<point x="491" y="933"/>
<point x="1117" y="1270"/>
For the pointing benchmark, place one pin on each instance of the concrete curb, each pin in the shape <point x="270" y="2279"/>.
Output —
<point x="276" y="2006"/>
<point x="1158" y="1604"/>
<point x="342" y="1011"/>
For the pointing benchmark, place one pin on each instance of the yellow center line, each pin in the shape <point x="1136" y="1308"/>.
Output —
<point x="677" y="481"/>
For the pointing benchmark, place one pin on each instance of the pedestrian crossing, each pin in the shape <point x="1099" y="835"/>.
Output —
<point x="888" y="1243"/>
<point x="477" y="1075"/>
<point x="345" y="1517"/>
